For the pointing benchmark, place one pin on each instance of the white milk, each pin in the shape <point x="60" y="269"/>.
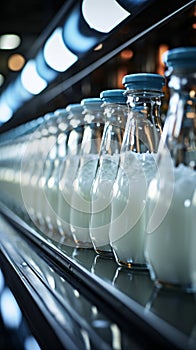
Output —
<point x="29" y="190"/>
<point x="40" y="195"/>
<point x="47" y="186"/>
<point x="31" y="166"/>
<point x="7" y="188"/>
<point x="127" y="228"/>
<point x="80" y="200"/>
<point x="101" y="196"/>
<point x="18" y="204"/>
<point x="171" y="231"/>
<point x="68" y="175"/>
<point x="51" y="191"/>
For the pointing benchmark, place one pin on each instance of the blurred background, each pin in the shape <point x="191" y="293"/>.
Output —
<point x="136" y="44"/>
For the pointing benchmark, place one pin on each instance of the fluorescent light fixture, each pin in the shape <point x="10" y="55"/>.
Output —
<point x="103" y="15"/>
<point x="31" y="80"/>
<point x="72" y="35"/>
<point x="19" y="90"/>
<point x="56" y="54"/>
<point x="5" y="112"/>
<point x="10" y="98"/>
<point x="98" y="47"/>
<point x="43" y="69"/>
<point x="15" y="95"/>
<point x="9" y="41"/>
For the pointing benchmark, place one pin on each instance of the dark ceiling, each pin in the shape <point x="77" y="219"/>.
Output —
<point x="26" y="18"/>
<point x="157" y="24"/>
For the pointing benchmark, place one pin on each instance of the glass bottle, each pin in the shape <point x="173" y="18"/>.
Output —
<point x="12" y="151"/>
<point x="17" y="152"/>
<point x="136" y="167"/>
<point x="69" y="168"/>
<point x="115" y="112"/>
<point x="90" y="147"/>
<point x="24" y="133"/>
<point x="29" y="168"/>
<point x="171" y="200"/>
<point x="49" y="179"/>
<point x="7" y="173"/>
<point x="41" y="202"/>
<point x="32" y="165"/>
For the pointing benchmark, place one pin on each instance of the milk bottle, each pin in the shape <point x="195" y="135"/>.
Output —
<point x="171" y="200"/>
<point x="69" y="168"/>
<point x="22" y="137"/>
<point x="136" y="167"/>
<point x="49" y="182"/>
<point x="7" y="174"/>
<point x="12" y="152"/>
<point x="80" y="199"/>
<point x="32" y="166"/>
<point x="115" y="111"/>
<point x="17" y="150"/>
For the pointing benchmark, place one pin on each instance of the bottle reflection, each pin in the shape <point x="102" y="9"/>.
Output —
<point x="104" y="268"/>
<point x="136" y="284"/>
<point x="83" y="256"/>
<point x="175" y="307"/>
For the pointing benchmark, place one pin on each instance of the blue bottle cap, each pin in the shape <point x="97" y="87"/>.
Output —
<point x="113" y="96"/>
<point x="74" y="108"/>
<point x="180" y="57"/>
<point x="144" y="81"/>
<point x="91" y="102"/>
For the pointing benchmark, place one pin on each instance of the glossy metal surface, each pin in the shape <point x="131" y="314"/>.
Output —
<point x="93" y="300"/>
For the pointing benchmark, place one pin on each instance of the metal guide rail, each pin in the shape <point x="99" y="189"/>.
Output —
<point x="81" y="301"/>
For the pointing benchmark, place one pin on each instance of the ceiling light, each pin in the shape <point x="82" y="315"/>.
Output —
<point x="96" y="14"/>
<point x="9" y="41"/>
<point x="76" y="33"/>
<point x="126" y="54"/>
<point x="43" y="69"/>
<point x="10" y="98"/>
<point x="160" y="54"/>
<point x="16" y="62"/>
<point x="15" y="95"/>
<point x="5" y="112"/>
<point x="56" y="54"/>
<point x="31" y="80"/>
<point x="98" y="47"/>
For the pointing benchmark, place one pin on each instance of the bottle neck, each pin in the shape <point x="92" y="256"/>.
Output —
<point x="115" y="121"/>
<point x="181" y="81"/>
<point x="94" y="115"/>
<point x="180" y="127"/>
<point x="115" y="114"/>
<point x="146" y="105"/>
<point x="144" y="126"/>
<point x="93" y="130"/>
